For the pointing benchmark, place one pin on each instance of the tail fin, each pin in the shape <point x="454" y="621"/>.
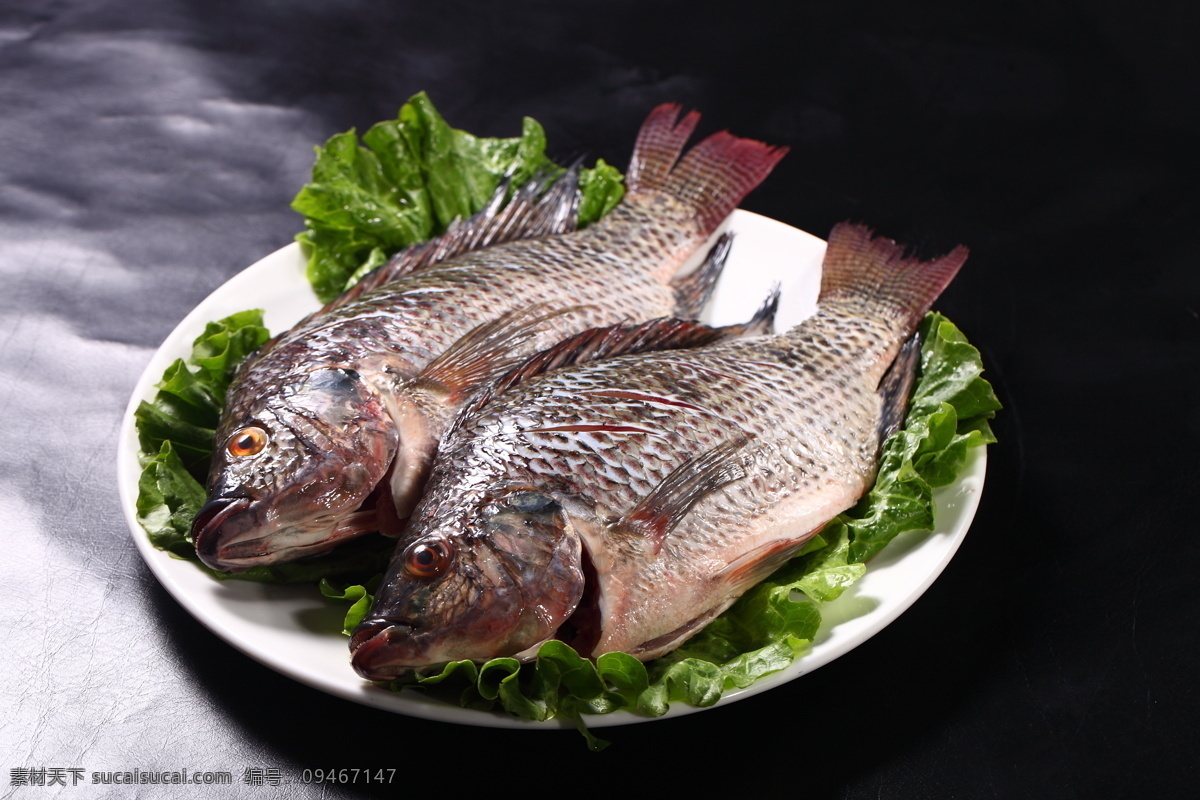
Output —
<point x="713" y="176"/>
<point x="659" y="143"/>
<point x="860" y="266"/>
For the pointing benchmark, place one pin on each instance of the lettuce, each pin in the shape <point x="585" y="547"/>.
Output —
<point x="190" y="395"/>
<point x="175" y="429"/>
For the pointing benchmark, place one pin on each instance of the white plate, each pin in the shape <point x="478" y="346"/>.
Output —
<point x="288" y="628"/>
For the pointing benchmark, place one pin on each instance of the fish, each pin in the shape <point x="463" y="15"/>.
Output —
<point x="622" y="504"/>
<point x="328" y="431"/>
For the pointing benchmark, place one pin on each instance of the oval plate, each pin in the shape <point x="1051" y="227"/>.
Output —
<point x="294" y="630"/>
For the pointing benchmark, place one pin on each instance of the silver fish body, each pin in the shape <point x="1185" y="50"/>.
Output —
<point x="623" y="504"/>
<point x="329" y="431"/>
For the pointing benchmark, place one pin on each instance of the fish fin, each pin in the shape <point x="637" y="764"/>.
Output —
<point x="693" y="289"/>
<point x="485" y="352"/>
<point x="895" y="386"/>
<point x="862" y="267"/>
<point x="660" y="511"/>
<point x="667" y="642"/>
<point x="623" y="339"/>
<point x="545" y="205"/>
<point x="713" y="176"/>
<point x="756" y="565"/>
<point x="594" y="344"/>
<point x="659" y="143"/>
<point x="763" y="321"/>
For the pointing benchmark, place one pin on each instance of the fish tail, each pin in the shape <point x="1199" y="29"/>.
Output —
<point x="714" y="176"/>
<point x="863" y="268"/>
<point x="658" y="145"/>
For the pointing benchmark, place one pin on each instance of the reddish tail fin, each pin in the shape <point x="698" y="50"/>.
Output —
<point x="859" y="265"/>
<point x="713" y="176"/>
<point x="659" y="143"/>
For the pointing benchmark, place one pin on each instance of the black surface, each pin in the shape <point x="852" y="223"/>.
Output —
<point x="149" y="149"/>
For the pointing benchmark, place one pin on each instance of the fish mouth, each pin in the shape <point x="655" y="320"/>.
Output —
<point x="220" y="523"/>
<point x="206" y="528"/>
<point x="373" y="648"/>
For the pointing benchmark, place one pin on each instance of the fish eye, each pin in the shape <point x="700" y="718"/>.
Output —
<point x="247" y="442"/>
<point x="427" y="559"/>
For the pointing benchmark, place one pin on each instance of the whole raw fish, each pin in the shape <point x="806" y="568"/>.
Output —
<point x="328" y="432"/>
<point x="623" y="504"/>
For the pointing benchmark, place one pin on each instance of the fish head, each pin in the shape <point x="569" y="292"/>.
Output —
<point x="498" y="581"/>
<point x="291" y="472"/>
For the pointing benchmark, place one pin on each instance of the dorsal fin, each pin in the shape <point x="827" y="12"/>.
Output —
<point x="669" y="502"/>
<point x="594" y="344"/>
<point x="486" y="351"/>
<point x="763" y="320"/>
<point x="546" y="205"/>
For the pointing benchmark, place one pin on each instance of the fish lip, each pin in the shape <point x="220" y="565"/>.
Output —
<point x="243" y="554"/>
<point x="369" y="648"/>
<point x="205" y="527"/>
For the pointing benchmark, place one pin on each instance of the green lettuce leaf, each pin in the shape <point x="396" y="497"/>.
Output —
<point x="358" y="595"/>
<point x="190" y="395"/>
<point x="407" y="180"/>
<point x="175" y="429"/>
<point x="949" y="413"/>
<point x="168" y="498"/>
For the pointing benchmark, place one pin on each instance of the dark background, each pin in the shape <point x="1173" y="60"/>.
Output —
<point x="149" y="150"/>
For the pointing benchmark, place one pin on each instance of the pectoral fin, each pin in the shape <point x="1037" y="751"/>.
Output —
<point x="669" y="502"/>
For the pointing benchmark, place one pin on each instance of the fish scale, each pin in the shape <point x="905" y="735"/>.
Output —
<point x="652" y="489"/>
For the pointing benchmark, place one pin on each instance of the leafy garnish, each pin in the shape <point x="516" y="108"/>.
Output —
<point x="176" y="429"/>
<point x="190" y="395"/>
